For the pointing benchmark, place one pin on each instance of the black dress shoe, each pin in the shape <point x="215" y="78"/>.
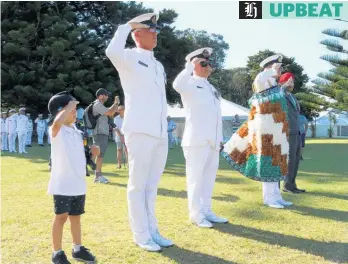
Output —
<point x="290" y="191"/>
<point x="300" y="190"/>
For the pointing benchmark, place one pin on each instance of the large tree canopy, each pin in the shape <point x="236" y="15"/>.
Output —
<point x="48" y="47"/>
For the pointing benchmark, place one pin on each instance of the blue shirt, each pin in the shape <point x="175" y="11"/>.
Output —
<point x="79" y="113"/>
<point x="302" y="123"/>
<point x="171" y="126"/>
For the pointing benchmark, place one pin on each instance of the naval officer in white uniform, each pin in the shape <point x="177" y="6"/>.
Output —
<point x="11" y="127"/>
<point x="202" y="136"/>
<point x="264" y="81"/>
<point x="22" y="129"/>
<point x="145" y="125"/>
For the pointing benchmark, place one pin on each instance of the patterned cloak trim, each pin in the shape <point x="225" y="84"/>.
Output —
<point x="260" y="147"/>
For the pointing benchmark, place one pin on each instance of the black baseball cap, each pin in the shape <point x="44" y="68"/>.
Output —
<point x="102" y="91"/>
<point x="58" y="102"/>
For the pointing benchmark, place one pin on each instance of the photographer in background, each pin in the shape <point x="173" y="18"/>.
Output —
<point x="101" y="131"/>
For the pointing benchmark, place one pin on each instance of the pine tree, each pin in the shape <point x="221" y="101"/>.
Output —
<point x="334" y="83"/>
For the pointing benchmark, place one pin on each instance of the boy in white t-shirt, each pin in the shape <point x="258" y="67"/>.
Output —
<point x="67" y="183"/>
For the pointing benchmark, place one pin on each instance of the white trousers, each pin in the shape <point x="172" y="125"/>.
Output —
<point x="147" y="157"/>
<point x="12" y="141"/>
<point x="29" y="136"/>
<point x="40" y="136"/>
<point x="271" y="192"/>
<point x="202" y="164"/>
<point x="22" y="136"/>
<point x="4" y="141"/>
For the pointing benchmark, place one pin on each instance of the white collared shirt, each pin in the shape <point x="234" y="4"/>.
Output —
<point x="30" y="125"/>
<point x="40" y="124"/>
<point x="202" y="106"/>
<point x="22" y="123"/>
<point x="11" y="124"/>
<point x="143" y="81"/>
<point x="3" y="125"/>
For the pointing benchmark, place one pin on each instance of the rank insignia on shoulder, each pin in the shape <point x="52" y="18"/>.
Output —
<point x="143" y="64"/>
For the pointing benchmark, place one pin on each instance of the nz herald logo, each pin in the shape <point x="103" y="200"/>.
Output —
<point x="250" y="9"/>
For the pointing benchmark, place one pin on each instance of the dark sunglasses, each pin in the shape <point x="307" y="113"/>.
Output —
<point x="206" y="63"/>
<point x="154" y="29"/>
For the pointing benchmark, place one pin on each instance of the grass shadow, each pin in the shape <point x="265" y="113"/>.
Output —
<point x="332" y="251"/>
<point x="328" y="195"/>
<point x="341" y="216"/>
<point x="182" y="194"/>
<point x="185" y="256"/>
<point x="229" y="180"/>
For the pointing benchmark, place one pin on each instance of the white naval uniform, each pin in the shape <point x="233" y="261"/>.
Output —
<point x="263" y="81"/>
<point x="11" y="125"/>
<point x="3" y="135"/>
<point x="29" y="132"/>
<point x="40" y="129"/>
<point x="22" y="129"/>
<point x="201" y="139"/>
<point x="144" y="126"/>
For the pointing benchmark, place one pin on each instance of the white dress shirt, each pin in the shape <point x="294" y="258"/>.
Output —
<point x="202" y="106"/>
<point x="3" y="125"/>
<point x="41" y="124"/>
<point x="143" y="81"/>
<point x="11" y="124"/>
<point x="22" y="124"/>
<point x="30" y="125"/>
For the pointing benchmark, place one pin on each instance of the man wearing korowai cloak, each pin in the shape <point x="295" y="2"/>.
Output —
<point x="260" y="147"/>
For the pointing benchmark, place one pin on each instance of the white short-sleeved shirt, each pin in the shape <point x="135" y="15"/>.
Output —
<point x="68" y="170"/>
<point x="118" y="120"/>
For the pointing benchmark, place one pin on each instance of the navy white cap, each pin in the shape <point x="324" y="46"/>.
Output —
<point x="149" y="19"/>
<point x="201" y="53"/>
<point x="277" y="58"/>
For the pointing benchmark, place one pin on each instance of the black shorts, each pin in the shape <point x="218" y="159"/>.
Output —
<point x="74" y="205"/>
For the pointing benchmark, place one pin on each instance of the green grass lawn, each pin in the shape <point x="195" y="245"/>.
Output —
<point x="314" y="230"/>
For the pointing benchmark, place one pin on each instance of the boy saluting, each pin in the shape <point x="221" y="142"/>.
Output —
<point x="67" y="183"/>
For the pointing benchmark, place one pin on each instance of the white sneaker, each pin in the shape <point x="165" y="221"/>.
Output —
<point x="101" y="179"/>
<point x="150" y="245"/>
<point x="211" y="217"/>
<point x="104" y="179"/>
<point x="204" y="223"/>
<point x="275" y="205"/>
<point x="161" y="241"/>
<point x="285" y="203"/>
